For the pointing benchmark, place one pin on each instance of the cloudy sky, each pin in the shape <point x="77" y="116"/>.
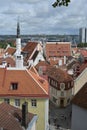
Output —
<point x="39" y="17"/>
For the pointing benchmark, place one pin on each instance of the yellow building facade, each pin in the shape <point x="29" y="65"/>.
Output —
<point x="26" y="86"/>
<point x="40" y="110"/>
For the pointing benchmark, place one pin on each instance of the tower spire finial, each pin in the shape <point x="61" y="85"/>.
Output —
<point x="18" y="28"/>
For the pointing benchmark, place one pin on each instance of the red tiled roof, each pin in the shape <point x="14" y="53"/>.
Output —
<point x="83" y="66"/>
<point x="80" y="98"/>
<point x="59" y="75"/>
<point x="30" y="46"/>
<point x="42" y="82"/>
<point x="30" y="50"/>
<point x="8" y="120"/>
<point x="29" y="84"/>
<point x="8" y="60"/>
<point x="32" y="68"/>
<point x="83" y="52"/>
<point x="58" y="49"/>
<point x="42" y="63"/>
<point x="10" y="50"/>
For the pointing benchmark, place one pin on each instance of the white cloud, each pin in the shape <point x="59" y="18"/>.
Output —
<point x="38" y="16"/>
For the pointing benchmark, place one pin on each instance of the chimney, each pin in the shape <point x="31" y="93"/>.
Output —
<point x="25" y="114"/>
<point x="64" y="60"/>
<point x="60" y="62"/>
<point x="19" y="61"/>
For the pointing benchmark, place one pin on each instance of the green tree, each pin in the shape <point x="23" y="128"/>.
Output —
<point x="82" y="45"/>
<point x="61" y="3"/>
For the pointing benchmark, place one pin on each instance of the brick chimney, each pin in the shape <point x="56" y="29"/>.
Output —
<point x="25" y="114"/>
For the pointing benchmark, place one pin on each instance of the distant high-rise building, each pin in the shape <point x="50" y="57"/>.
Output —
<point x="86" y="35"/>
<point x="83" y="35"/>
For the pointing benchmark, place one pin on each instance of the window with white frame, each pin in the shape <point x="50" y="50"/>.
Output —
<point x="17" y="102"/>
<point x="14" y="86"/>
<point x="7" y="100"/>
<point x="33" y="102"/>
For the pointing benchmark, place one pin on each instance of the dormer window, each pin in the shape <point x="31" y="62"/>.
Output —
<point x="14" y="86"/>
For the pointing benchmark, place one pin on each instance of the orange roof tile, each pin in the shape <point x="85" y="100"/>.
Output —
<point x="30" y="46"/>
<point x="30" y="51"/>
<point x="29" y="84"/>
<point x="83" y="52"/>
<point x="10" y="50"/>
<point x="42" y="82"/>
<point x="42" y="63"/>
<point x="82" y="67"/>
<point x="33" y="70"/>
<point x="8" y="60"/>
<point x="58" y="49"/>
<point x="59" y="74"/>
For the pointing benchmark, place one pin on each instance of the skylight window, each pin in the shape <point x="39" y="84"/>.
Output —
<point x="14" y="86"/>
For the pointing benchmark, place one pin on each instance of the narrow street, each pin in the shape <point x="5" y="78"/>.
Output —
<point x="60" y="118"/>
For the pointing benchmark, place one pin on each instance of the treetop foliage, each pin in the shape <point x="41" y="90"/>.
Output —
<point x="82" y="45"/>
<point x="61" y="3"/>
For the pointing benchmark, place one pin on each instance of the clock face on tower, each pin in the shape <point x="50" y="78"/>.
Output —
<point x="62" y="86"/>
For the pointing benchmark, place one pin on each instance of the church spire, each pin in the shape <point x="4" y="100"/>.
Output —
<point x="18" y="29"/>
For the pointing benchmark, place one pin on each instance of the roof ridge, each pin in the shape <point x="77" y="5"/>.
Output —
<point x="34" y="70"/>
<point x="36" y="81"/>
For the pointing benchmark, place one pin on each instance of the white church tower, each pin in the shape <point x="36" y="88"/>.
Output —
<point x="18" y="56"/>
<point x="18" y="39"/>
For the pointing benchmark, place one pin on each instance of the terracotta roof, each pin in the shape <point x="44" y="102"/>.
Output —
<point x="8" y="60"/>
<point x="29" y="83"/>
<point x="58" y="49"/>
<point x="83" y="66"/>
<point x="53" y="62"/>
<point x="42" y="82"/>
<point x="83" y="52"/>
<point x="59" y="74"/>
<point x="29" y="48"/>
<point x="42" y="63"/>
<point x="80" y="98"/>
<point x="10" y="50"/>
<point x="32" y="68"/>
<point x="10" y="117"/>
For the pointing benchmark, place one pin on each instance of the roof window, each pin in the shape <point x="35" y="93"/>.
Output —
<point x="14" y="86"/>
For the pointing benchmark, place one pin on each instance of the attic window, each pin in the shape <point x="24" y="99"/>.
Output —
<point x="14" y="86"/>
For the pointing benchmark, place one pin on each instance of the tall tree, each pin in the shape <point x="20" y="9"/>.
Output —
<point x="61" y="3"/>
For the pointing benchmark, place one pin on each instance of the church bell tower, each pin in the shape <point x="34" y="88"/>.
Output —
<point x="18" y="56"/>
<point x="18" y="39"/>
